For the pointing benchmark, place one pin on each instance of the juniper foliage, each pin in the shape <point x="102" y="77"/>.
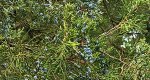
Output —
<point x="74" y="40"/>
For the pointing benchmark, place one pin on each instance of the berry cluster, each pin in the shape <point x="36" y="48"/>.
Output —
<point x="103" y="63"/>
<point x="38" y="71"/>
<point x="81" y="76"/>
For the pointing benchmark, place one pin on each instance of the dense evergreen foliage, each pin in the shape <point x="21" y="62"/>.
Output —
<point x="74" y="40"/>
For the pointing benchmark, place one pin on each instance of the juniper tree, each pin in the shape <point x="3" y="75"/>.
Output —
<point x="74" y="39"/>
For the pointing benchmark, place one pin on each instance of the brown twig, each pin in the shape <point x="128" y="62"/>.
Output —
<point x="118" y="26"/>
<point x="114" y="57"/>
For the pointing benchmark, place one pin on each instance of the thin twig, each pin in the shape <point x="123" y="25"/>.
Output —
<point x="114" y="57"/>
<point x="109" y="32"/>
